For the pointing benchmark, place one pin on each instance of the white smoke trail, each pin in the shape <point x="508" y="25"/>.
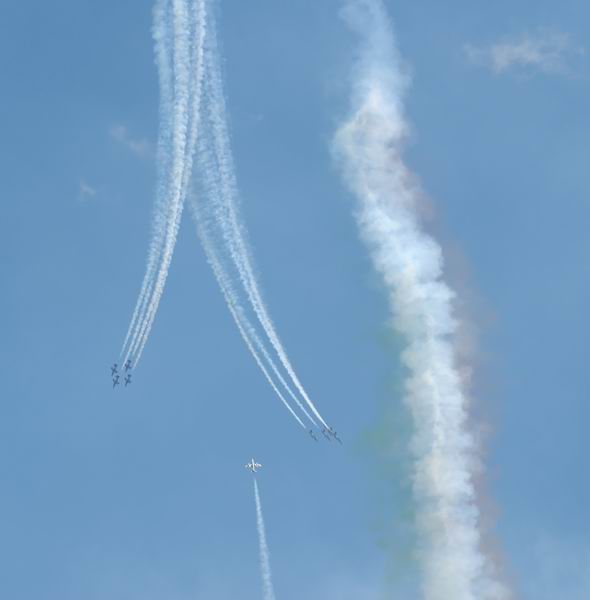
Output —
<point x="181" y="60"/>
<point x="248" y="333"/>
<point x="265" y="572"/>
<point x="188" y="58"/>
<point x="161" y="33"/>
<point x="369" y="148"/>
<point x="205" y="211"/>
<point x="226" y="201"/>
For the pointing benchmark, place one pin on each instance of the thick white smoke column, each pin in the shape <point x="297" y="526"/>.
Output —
<point x="368" y="146"/>
<point x="265" y="571"/>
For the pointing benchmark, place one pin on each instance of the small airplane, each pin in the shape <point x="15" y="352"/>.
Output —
<point x="333" y="433"/>
<point x="128" y="365"/>
<point x="127" y="379"/>
<point x="114" y="368"/>
<point x="313" y="435"/>
<point x="326" y="435"/>
<point x="253" y="466"/>
<point x="115" y="381"/>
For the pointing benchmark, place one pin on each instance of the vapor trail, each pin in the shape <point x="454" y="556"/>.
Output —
<point x="248" y="333"/>
<point x="265" y="571"/>
<point x="161" y="32"/>
<point x="227" y="212"/>
<point x="180" y="111"/>
<point x="206" y="212"/>
<point x="189" y="60"/>
<point x="368" y="146"/>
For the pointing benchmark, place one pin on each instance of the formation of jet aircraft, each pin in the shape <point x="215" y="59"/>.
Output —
<point x="117" y="376"/>
<point x="253" y="466"/>
<point x="329" y="433"/>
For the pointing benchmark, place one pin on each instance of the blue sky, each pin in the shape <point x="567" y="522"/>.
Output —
<point x="141" y="493"/>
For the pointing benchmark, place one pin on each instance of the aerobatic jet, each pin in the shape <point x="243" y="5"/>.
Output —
<point x="334" y="435"/>
<point x="114" y="368"/>
<point x="115" y="381"/>
<point x="325" y="434"/>
<point x="127" y="379"/>
<point x="311" y="433"/>
<point x="128" y="365"/>
<point x="253" y="466"/>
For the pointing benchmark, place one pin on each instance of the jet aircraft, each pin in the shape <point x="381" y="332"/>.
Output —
<point x="127" y="379"/>
<point x="115" y="381"/>
<point x="114" y="368"/>
<point x="253" y="466"/>
<point x="325" y="434"/>
<point x="312" y="434"/>
<point x="128" y="365"/>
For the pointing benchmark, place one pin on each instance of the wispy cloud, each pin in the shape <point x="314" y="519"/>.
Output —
<point x="140" y="147"/>
<point x="86" y="191"/>
<point x="545" y="51"/>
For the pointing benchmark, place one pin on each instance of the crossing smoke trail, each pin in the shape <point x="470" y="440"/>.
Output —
<point x="192" y="91"/>
<point x="225" y="210"/>
<point x="265" y="571"/>
<point x="368" y="147"/>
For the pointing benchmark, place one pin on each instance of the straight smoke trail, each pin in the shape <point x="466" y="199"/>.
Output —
<point x="226" y="212"/>
<point x="368" y="147"/>
<point x="265" y="571"/>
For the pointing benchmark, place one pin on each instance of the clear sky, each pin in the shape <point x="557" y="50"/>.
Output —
<point x="141" y="493"/>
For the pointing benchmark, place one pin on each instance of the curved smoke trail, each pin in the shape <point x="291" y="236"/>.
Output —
<point x="208" y="214"/>
<point x="247" y="331"/>
<point x="369" y="147"/>
<point x="162" y="41"/>
<point x="179" y="41"/>
<point x="265" y="572"/>
<point x="189" y="58"/>
<point x="228" y="219"/>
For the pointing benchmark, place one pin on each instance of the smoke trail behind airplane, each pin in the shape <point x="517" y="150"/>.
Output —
<point x="179" y="31"/>
<point x="368" y="147"/>
<point x="265" y="572"/>
<point x="216" y="165"/>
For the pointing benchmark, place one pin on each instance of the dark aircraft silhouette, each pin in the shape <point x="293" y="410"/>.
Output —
<point x="127" y="379"/>
<point x="115" y="381"/>
<point x="313" y="435"/>
<point x="325" y="434"/>
<point x="114" y="368"/>
<point x="128" y="365"/>
<point x="334" y="435"/>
